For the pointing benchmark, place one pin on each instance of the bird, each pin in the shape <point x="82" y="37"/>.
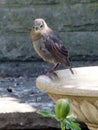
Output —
<point x="49" y="45"/>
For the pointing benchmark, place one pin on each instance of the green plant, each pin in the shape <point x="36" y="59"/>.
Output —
<point x="61" y="112"/>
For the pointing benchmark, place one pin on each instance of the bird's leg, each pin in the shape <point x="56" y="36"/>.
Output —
<point x="68" y="65"/>
<point x="71" y="70"/>
<point x="52" y="69"/>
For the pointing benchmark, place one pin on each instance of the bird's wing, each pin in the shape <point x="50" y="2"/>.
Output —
<point x="54" y="45"/>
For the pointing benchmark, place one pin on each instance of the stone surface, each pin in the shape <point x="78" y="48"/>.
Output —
<point x="75" y="21"/>
<point x="84" y="81"/>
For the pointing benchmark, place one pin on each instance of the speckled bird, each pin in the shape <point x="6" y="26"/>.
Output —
<point x="49" y="45"/>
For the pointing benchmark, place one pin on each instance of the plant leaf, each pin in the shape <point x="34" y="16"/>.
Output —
<point x="70" y="118"/>
<point x="71" y="125"/>
<point x="46" y="113"/>
<point x="75" y="126"/>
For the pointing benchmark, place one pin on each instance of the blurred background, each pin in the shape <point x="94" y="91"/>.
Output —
<point x="76" y="21"/>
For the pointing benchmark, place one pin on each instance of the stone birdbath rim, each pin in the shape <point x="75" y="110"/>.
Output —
<point x="84" y="82"/>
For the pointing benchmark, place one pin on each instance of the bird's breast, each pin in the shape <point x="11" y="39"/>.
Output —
<point x="42" y="51"/>
<point x="38" y="46"/>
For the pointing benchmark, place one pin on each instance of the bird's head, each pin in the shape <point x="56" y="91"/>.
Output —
<point x="38" y="25"/>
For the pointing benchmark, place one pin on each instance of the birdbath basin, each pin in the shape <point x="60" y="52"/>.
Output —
<point x="81" y="88"/>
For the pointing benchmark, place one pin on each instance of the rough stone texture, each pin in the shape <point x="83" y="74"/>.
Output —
<point x="76" y="21"/>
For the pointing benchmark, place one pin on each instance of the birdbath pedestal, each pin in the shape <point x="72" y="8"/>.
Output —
<point x="81" y="88"/>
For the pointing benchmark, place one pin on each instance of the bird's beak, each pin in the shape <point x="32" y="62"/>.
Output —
<point x="36" y="28"/>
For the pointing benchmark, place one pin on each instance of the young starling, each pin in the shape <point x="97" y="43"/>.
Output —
<point x="48" y="45"/>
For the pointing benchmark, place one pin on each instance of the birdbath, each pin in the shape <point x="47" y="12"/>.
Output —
<point x="81" y="88"/>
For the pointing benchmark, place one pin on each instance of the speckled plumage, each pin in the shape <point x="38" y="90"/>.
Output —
<point x="48" y="45"/>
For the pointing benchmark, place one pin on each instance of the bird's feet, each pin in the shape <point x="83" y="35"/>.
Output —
<point x="52" y="75"/>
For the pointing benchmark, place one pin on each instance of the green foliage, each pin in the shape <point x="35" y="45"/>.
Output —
<point x="71" y="124"/>
<point x="68" y="122"/>
<point x="46" y="113"/>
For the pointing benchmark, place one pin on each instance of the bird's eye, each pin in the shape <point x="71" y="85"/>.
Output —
<point x="33" y="27"/>
<point x="41" y="26"/>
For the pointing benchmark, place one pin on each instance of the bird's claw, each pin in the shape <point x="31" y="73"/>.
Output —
<point x="52" y="75"/>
